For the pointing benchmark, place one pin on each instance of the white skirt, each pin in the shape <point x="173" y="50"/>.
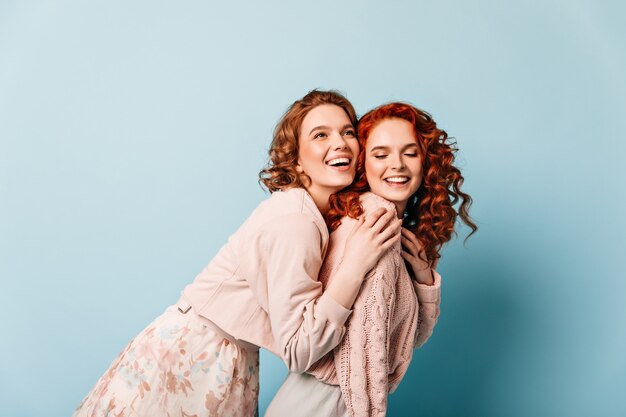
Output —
<point x="177" y="366"/>
<point x="303" y="395"/>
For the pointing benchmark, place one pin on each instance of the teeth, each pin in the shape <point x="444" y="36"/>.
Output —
<point x="397" y="179"/>
<point x="338" y="161"/>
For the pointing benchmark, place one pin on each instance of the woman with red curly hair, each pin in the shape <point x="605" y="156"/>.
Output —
<point x="201" y="356"/>
<point x="406" y="166"/>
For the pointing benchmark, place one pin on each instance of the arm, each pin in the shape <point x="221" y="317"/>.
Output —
<point x="429" y="298"/>
<point x="305" y="323"/>
<point x="427" y="284"/>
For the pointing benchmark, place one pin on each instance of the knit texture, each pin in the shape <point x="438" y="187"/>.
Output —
<point x="383" y="329"/>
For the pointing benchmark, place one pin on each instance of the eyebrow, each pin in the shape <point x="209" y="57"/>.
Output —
<point x="384" y="148"/>
<point x="324" y="127"/>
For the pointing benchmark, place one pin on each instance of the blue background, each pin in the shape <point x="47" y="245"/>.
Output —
<point x="131" y="135"/>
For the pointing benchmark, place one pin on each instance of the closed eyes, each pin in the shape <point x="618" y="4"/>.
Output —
<point x="383" y="156"/>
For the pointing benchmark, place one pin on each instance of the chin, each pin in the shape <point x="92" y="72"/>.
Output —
<point x="343" y="183"/>
<point x="393" y="197"/>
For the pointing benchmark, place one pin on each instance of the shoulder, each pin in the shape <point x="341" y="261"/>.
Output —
<point x="291" y="201"/>
<point x="291" y="225"/>
<point x="287" y="217"/>
<point x="372" y="202"/>
<point x="287" y="199"/>
<point x="292" y="217"/>
<point x="295" y="203"/>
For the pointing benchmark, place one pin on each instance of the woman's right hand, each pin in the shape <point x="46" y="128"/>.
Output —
<point x="370" y="238"/>
<point x="367" y="242"/>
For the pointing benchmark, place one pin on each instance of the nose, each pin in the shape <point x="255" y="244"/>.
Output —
<point x="339" y="142"/>
<point x="397" y="162"/>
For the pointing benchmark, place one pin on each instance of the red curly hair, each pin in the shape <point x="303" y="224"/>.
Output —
<point x="430" y="212"/>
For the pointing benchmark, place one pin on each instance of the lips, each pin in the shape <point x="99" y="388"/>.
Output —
<point x="338" y="162"/>
<point x="397" y="180"/>
<point x="341" y="162"/>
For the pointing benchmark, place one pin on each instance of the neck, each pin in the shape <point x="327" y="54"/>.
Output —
<point x="400" y="207"/>
<point x="320" y="197"/>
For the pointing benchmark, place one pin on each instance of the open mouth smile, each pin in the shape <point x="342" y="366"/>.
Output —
<point x="340" y="163"/>
<point x="397" y="181"/>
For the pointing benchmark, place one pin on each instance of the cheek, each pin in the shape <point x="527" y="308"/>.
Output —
<point x="420" y="179"/>
<point x="308" y="155"/>
<point x="370" y="173"/>
<point x="368" y="169"/>
<point x="419" y="174"/>
<point x="354" y="147"/>
<point x="302" y="152"/>
<point x="417" y="168"/>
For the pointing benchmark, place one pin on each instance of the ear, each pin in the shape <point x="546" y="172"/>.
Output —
<point x="299" y="169"/>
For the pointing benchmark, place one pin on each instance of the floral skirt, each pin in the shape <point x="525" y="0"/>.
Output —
<point x="177" y="366"/>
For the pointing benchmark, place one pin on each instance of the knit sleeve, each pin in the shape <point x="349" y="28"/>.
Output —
<point x="361" y="359"/>
<point x="429" y="299"/>
<point x="306" y="323"/>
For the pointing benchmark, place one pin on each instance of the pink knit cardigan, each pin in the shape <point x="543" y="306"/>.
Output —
<point x="391" y="315"/>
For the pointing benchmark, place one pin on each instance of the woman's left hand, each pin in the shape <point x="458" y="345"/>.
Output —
<point x="411" y="247"/>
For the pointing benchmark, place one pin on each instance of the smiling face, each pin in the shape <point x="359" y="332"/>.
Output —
<point x="393" y="165"/>
<point x="327" y="151"/>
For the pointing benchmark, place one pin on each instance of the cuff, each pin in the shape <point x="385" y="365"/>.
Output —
<point x="333" y="311"/>
<point x="429" y="293"/>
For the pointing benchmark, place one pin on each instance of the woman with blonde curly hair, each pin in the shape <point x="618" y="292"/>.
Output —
<point x="406" y="166"/>
<point x="201" y="356"/>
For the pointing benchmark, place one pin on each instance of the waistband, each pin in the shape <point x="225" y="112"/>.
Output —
<point x="184" y="307"/>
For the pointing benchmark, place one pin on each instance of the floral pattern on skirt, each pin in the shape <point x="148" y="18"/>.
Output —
<point x="177" y="366"/>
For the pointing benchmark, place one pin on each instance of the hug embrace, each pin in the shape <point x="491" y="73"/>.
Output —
<point x="334" y="273"/>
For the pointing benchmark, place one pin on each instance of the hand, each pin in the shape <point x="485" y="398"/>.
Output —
<point x="411" y="248"/>
<point x="370" y="238"/>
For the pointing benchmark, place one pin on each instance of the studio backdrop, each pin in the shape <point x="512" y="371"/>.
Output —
<point x="132" y="134"/>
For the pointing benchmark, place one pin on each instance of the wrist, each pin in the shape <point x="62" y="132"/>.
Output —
<point x="425" y="276"/>
<point x="352" y="269"/>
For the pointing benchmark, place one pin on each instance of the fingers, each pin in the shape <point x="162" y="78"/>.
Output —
<point x="384" y="221"/>
<point x="390" y="242"/>
<point x="411" y="242"/>
<point x="390" y="232"/>
<point x="409" y="246"/>
<point x="359" y="222"/>
<point x="373" y="217"/>
<point x="417" y="263"/>
<point x="410" y="258"/>
<point x="413" y="259"/>
<point x="411" y="236"/>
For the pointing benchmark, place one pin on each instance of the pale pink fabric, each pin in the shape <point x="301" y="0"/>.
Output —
<point x="177" y="366"/>
<point x="384" y="327"/>
<point x="260" y="290"/>
<point x="262" y="286"/>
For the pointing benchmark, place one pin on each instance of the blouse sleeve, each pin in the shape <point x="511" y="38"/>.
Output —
<point x="306" y="323"/>
<point x="361" y="359"/>
<point x="429" y="298"/>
